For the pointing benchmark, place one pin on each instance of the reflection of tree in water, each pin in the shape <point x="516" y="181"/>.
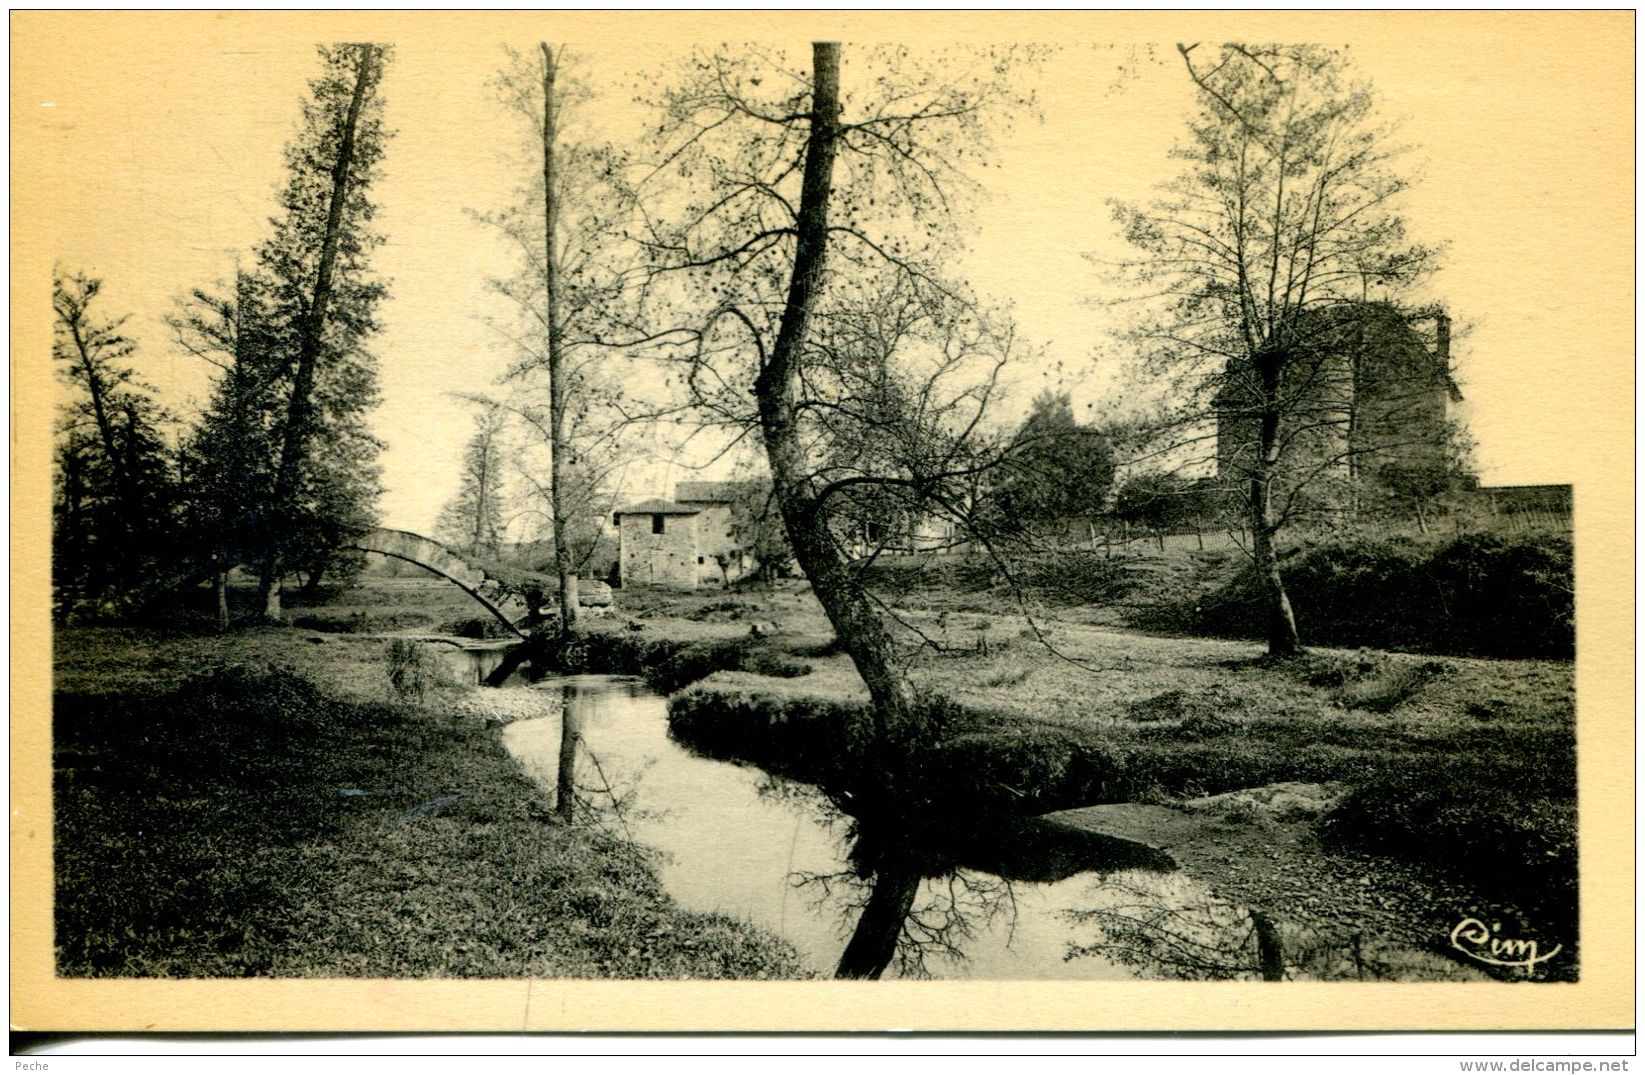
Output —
<point x="606" y="793"/>
<point x="894" y="919"/>
<point x="806" y="797"/>
<point x="911" y="896"/>
<point x="1167" y="931"/>
<point x="594" y="792"/>
<point x="607" y="796"/>
<point x="1167" y="936"/>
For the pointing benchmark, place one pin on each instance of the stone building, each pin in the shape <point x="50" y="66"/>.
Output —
<point x="717" y="540"/>
<point x="1372" y="389"/>
<point x="658" y="540"/>
<point x="683" y="542"/>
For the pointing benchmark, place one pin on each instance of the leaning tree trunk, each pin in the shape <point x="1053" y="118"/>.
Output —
<point x="1282" y="625"/>
<point x="300" y="410"/>
<point x="558" y="447"/>
<point x="856" y="623"/>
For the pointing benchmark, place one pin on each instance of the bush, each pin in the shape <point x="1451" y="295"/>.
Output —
<point x="667" y="664"/>
<point x="699" y="660"/>
<point x="816" y="740"/>
<point x="1482" y="594"/>
<point x="964" y="763"/>
<point x="412" y="670"/>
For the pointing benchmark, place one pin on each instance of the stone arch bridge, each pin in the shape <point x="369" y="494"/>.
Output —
<point x="432" y="556"/>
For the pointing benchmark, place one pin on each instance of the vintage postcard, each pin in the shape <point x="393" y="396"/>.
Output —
<point x="1047" y="521"/>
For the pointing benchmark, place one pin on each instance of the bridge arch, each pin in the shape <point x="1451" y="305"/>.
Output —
<point x="434" y="557"/>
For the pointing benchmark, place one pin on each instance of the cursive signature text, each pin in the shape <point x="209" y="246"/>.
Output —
<point x="1476" y="940"/>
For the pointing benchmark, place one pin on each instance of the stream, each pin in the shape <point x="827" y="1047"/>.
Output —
<point x="1033" y="900"/>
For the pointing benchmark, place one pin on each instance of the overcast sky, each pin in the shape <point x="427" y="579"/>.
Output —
<point x="158" y="158"/>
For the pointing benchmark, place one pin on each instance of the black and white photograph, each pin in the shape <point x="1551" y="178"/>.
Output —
<point x="1052" y="500"/>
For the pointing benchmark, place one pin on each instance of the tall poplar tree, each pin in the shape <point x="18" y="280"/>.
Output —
<point x="567" y="227"/>
<point x="324" y="300"/>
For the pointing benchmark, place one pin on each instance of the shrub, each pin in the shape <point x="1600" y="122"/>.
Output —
<point x="666" y="664"/>
<point x="1018" y="770"/>
<point x="699" y="660"/>
<point x="412" y="670"/>
<point x="1482" y="594"/>
<point x="964" y="762"/>
<point x="817" y="740"/>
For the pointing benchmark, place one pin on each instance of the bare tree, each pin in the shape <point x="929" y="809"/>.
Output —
<point x="814" y="241"/>
<point x="1270" y="262"/>
<point x="472" y="521"/>
<point x="566" y="229"/>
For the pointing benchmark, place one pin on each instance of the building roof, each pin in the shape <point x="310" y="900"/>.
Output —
<point x="711" y="492"/>
<point x="655" y="506"/>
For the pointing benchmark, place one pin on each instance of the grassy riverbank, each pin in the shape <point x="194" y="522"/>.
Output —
<point x="1460" y="767"/>
<point x="284" y="814"/>
<point x="256" y="804"/>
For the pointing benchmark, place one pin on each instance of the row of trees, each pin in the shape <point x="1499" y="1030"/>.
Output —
<point x="786" y="259"/>
<point x="772" y="251"/>
<point x="280" y="468"/>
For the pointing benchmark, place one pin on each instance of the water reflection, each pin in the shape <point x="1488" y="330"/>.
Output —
<point x="1170" y="935"/>
<point x="919" y="898"/>
<point x="861" y="894"/>
<point x="1161" y="930"/>
<point x="571" y="737"/>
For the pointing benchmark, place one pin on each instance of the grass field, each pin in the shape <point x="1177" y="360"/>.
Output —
<point x="1465" y="766"/>
<point x="258" y="805"/>
<point x="287" y="813"/>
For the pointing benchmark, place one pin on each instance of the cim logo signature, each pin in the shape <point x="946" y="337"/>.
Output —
<point x="1476" y="940"/>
